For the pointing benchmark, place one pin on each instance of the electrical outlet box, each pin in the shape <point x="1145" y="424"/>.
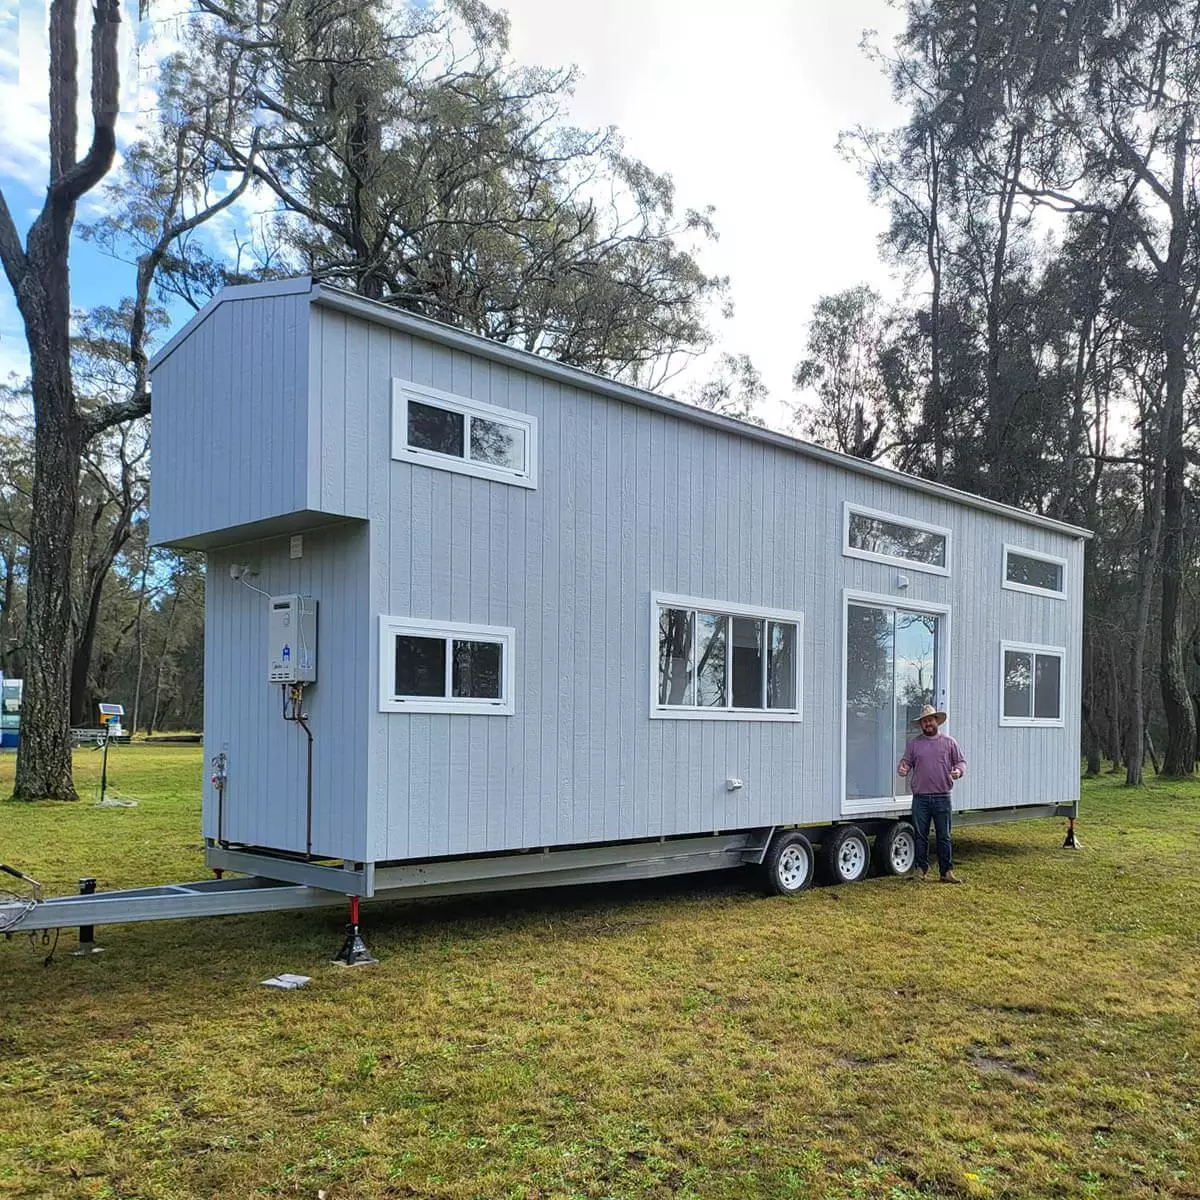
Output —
<point x="292" y="640"/>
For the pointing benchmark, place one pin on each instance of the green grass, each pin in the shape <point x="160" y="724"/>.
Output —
<point x="1030" y="1034"/>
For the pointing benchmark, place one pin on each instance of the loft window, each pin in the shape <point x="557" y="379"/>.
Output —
<point x="1029" y="571"/>
<point x="452" y="433"/>
<point x="433" y="666"/>
<point x="887" y="538"/>
<point x="1031" y="684"/>
<point x="721" y="661"/>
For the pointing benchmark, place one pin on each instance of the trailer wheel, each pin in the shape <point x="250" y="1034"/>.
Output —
<point x="896" y="849"/>
<point x="788" y="866"/>
<point x="847" y="854"/>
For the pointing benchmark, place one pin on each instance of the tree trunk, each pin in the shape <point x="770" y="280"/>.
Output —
<point x="1091" y="741"/>
<point x="1152" y="490"/>
<point x="44" y="757"/>
<point x="998" y="406"/>
<point x="140" y="639"/>
<point x="1180" y="751"/>
<point x="1153" y="755"/>
<point x="162" y="660"/>
<point x="1115" y="731"/>
<point x="933" y="253"/>
<point x="8" y="653"/>
<point x="40" y="278"/>
<point x="95" y="579"/>
<point x="81" y="697"/>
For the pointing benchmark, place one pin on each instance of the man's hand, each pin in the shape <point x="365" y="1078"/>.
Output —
<point x="956" y="773"/>
<point x="903" y="768"/>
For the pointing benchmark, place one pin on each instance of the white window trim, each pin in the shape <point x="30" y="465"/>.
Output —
<point x="391" y="627"/>
<point x="898" y="801"/>
<point x="849" y="551"/>
<point x="1058" y="722"/>
<point x="403" y="452"/>
<point x="679" y="712"/>
<point x="1024" y="587"/>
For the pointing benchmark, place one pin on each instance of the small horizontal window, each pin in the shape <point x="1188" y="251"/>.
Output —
<point x="428" y="666"/>
<point x="452" y="433"/>
<point x="883" y="537"/>
<point x="1027" y="571"/>
<point x="1031" y="684"/>
<point x="717" y="661"/>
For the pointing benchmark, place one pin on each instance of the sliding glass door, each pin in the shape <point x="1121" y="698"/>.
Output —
<point x="894" y="667"/>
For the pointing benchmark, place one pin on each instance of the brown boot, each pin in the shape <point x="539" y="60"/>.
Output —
<point x="916" y="875"/>
<point x="949" y="877"/>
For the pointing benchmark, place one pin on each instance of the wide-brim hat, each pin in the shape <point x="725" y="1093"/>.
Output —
<point x="929" y="711"/>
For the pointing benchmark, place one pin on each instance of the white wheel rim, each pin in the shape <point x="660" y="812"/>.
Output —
<point x="852" y="858"/>
<point x="903" y="853"/>
<point x="793" y="867"/>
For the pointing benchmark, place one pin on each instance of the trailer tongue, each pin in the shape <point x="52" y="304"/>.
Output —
<point x="254" y="893"/>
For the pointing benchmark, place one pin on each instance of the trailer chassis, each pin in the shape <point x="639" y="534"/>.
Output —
<point x="318" y="885"/>
<point x="272" y="883"/>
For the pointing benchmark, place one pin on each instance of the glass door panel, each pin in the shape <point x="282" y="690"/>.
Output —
<point x="916" y="675"/>
<point x="870" y="688"/>
<point x="892" y="671"/>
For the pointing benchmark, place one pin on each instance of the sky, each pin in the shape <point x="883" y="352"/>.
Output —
<point x="742" y="105"/>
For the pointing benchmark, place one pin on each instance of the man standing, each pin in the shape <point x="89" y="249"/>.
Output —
<point x="935" y="762"/>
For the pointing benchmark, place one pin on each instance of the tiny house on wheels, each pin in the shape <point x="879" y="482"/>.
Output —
<point x="477" y="620"/>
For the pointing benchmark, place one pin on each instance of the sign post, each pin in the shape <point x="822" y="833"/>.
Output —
<point x="110" y="719"/>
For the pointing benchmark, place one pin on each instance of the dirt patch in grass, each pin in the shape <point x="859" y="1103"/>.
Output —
<point x="1030" y="1034"/>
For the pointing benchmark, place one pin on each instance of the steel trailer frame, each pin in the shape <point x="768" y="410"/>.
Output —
<point x="495" y="873"/>
<point x="271" y="883"/>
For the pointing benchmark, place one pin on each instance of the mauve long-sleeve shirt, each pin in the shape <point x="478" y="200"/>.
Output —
<point x="931" y="759"/>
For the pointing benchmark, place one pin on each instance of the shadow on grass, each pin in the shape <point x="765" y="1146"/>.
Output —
<point x="972" y="847"/>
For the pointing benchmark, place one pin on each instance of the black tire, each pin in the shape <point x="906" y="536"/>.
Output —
<point x="896" y="849"/>
<point x="846" y="854"/>
<point x="789" y="864"/>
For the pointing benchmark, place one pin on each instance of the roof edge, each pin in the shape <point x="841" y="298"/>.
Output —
<point x="500" y="352"/>
<point x="238" y="291"/>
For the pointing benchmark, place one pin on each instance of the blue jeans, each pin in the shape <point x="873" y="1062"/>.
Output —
<point x="934" y="808"/>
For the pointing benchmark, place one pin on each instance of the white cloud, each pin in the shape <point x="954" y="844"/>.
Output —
<point x="14" y="355"/>
<point x="25" y="70"/>
<point x="742" y="105"/>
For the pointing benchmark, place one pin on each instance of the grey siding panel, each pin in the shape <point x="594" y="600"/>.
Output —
<point x="230" y="406"/>
<point x="266" y="796"/>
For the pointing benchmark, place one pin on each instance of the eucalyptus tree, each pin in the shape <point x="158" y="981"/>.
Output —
<point x="410" y="160"/>
<point x="38" y="270"/>
<point x="734" y="389"/>
<point x="1045" y="188"/>
<point x="1117" y="114"/>
<point x="846" y="367"/>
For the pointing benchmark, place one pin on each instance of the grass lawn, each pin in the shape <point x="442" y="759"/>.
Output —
<point x="1033" y="1033"/>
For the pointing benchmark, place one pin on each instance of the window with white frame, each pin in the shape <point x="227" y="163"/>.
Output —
<point x="887" y="538"/>
<point x="438" y="429"/>
<point x="718" y="660"/>
<point x="439" y="667"/>
<point x="1029" y="571"/>
<point x="1031" y="684"/>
